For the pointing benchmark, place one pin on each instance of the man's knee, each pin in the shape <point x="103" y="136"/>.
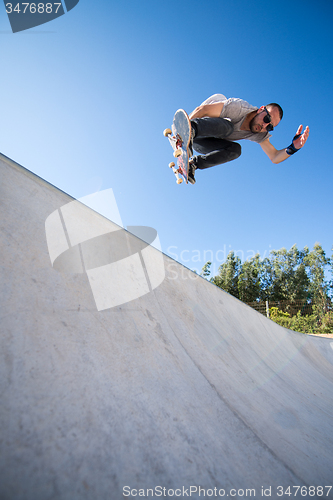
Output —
<point x="216" y="127"/>
<point x="235" y="150"/>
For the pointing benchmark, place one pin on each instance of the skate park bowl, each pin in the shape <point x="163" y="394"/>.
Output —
<point x="178" y="388"/>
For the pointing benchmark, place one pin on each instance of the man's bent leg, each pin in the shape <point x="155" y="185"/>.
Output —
<point x="212" y="127"/>
<point x="214" y="152"/>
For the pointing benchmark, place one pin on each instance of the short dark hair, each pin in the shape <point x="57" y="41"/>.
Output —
<point x="278" y="107"/>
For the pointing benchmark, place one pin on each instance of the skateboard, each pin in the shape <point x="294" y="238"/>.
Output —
<point x="179" y="136"/>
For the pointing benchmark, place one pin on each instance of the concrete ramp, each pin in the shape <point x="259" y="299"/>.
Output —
<point x="182" y="391"/>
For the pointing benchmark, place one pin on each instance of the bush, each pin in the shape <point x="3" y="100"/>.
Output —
<point x="304" y="324"/>
<point x="326" y="325"/>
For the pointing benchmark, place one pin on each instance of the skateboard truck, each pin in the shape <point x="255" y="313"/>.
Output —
<point x="179" y="143"/>
<point x="176" y="139"/>
<point x="177" y="152"/>
<point x="176" y="172"/>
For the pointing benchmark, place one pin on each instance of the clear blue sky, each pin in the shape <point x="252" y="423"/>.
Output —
<point x="85" y="99"/>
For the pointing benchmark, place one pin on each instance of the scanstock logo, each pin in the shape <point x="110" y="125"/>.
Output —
<point x="121" y="265"/>
<point x="25" y="15"/>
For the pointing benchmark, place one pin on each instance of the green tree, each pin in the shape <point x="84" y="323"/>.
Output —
<point x="286" y="275"/>
<point x="205" y="271"/>
<point x="289" y="279"/>
<point x="227" y="278"/>
<point x="316" y="262"/>
<point x="249" y="280"/>
<point x="331" y="281"/>
<point x="266" y="279"/>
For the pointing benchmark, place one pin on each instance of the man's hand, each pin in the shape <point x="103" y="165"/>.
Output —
<point x="301" y="140"/>
<point x="277" y="156"/>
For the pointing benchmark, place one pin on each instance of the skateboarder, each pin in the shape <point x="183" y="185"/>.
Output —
<point x="218" y="122"/>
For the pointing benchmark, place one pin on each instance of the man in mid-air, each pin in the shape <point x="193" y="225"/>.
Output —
<point x="218" y="122"/>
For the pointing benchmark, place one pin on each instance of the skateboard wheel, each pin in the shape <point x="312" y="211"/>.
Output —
<point x="179" y="181"/>
<point x="177" y="153"/>
<point x="171" y="164"/>
<point x="167" y="132"/>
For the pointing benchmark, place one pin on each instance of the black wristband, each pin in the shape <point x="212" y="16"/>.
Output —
<point x="291" y="150"/>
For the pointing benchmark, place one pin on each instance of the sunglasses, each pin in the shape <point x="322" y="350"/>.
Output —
<point x="268" y="119"/>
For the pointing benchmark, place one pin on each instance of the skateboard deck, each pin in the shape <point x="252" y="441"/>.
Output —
<point x="179" y="138"/>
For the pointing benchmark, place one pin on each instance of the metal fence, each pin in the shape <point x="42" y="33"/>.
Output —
<point x="291" y="308"/>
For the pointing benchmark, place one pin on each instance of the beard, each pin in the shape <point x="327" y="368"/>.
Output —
<point x="252" y="125"/>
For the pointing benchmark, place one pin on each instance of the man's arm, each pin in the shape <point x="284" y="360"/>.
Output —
<point x="211" y="110"/>
<point x="279" y="155"/>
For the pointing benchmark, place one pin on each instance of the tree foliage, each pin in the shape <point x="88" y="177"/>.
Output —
<point x="228" y="274"/>
<point x="286" y="275"/>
